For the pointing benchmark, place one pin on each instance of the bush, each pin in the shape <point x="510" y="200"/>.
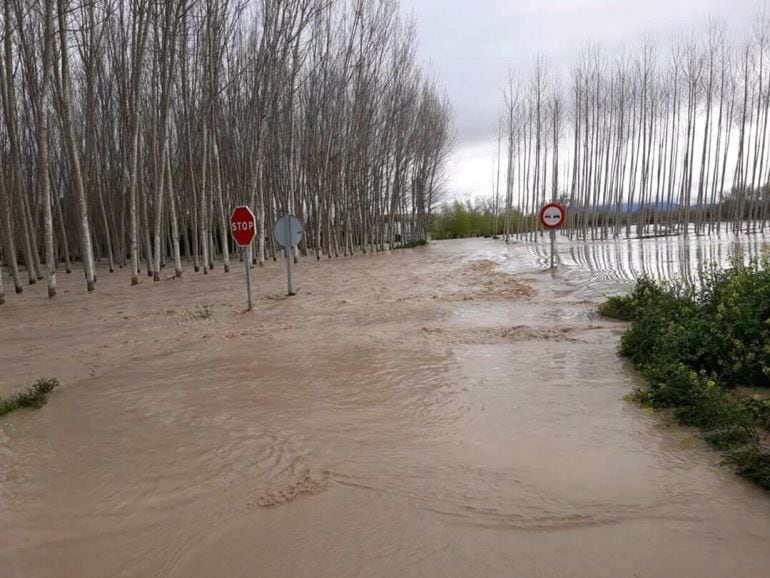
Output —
<point x="760" y="409"/>
<point x="34" y="397"/>
<point x="694" y="345"/>
<point x="722" y="328"/>
<point x="622" y="307"/>
<point x="752" y="463"/>
<point x="413" y="244"/>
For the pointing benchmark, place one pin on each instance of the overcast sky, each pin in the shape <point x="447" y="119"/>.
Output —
<point x="470" y="45"/>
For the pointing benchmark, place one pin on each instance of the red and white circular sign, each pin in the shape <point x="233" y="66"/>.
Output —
<point x="243" y="225"/>
<point x="552" y="216"/>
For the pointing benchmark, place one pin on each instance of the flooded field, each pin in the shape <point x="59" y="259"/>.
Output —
<point x="613" y="263"/>
<point x="454" y="410"/>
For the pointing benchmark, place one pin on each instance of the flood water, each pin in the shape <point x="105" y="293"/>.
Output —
<point x="612" y="263"/>
<point x="454" y="410"/>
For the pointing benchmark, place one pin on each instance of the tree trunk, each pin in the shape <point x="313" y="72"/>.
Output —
<point x="44" y="176"/>
<point x="87" y="255"/>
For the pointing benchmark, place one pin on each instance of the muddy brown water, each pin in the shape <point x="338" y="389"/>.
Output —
<point x="418" y="413"/>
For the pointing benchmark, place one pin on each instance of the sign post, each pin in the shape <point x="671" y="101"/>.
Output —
<point x="243" y="227"/>
<point x="552" y="216"/>
<point x="289" y="259"/>
<point x="288" y="232"/>
<point x="246" y="259"/>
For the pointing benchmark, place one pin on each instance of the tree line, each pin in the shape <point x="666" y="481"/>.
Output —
<point x="663" y="139"/>
<point x="131" y="128"/>
<point x="477" y="218"/>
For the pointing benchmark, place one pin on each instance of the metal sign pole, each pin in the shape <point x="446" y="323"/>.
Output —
<point x="288" y="268"/>
<point x="553" y="244"/>
<point x="246" y="261"/>
<point x="288" y="255"/>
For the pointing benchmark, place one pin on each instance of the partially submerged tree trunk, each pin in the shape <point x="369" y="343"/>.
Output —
<point x="73" y="151"/>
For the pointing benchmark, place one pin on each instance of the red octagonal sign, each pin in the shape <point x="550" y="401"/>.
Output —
<point x="243" y="225"/>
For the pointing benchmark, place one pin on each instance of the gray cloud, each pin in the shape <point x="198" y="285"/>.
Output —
<point x="470" y="45"/>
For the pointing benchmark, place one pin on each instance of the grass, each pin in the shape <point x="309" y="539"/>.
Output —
<point x="695" y="345"/>
<point x="33" y="397"/>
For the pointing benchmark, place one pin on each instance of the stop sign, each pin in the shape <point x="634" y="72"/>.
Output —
<point x="243" y="226"/>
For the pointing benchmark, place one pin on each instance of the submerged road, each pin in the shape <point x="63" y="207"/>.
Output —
<point x="452" y="410"/>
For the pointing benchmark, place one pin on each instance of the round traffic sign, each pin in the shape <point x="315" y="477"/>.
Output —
<point x="552" y="216"/>
<point x="243" y="226"/>
<point x="288" y="231"/>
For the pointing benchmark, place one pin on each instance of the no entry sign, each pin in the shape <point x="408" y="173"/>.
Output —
<point x="552" y="216"/>
<point x="243" y="226"/>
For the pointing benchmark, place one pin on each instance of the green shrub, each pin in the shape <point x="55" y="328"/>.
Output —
<point x="722" y="328"/>
<point x="34" y="397"/>
<point x="413" y="244"/>
<point x="752" y="463"/>
<point x="622" y="307"/>
<point x="693" y="345"/>
<point x="759" y="409"/>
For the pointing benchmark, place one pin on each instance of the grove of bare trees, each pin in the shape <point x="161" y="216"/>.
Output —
<point x="131" y="128"/>
<point x="667" y="139"/>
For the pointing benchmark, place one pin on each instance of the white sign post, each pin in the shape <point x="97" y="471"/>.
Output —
<point x="288" y="233"/>
<point x="552" y="216"/>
